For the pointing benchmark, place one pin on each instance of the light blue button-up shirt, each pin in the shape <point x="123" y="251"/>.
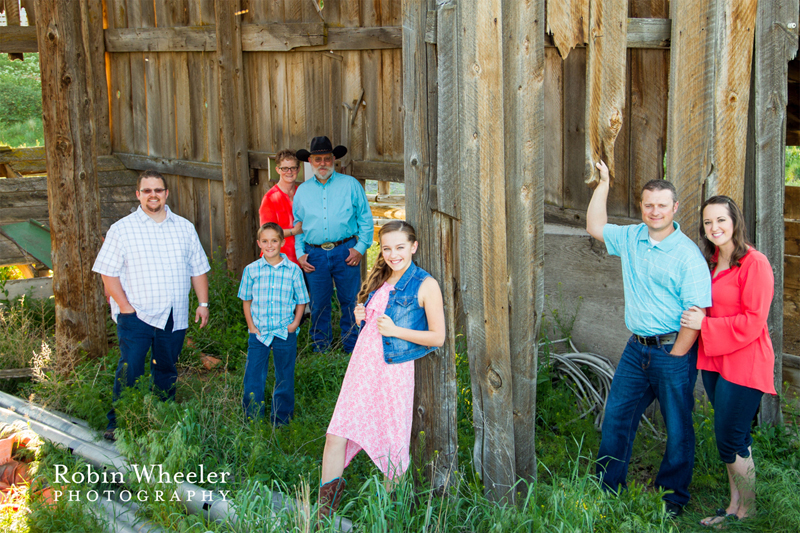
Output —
<point x="332" y="212"/>
<point x="275" y="291"/>
<point x="661" y="281"/>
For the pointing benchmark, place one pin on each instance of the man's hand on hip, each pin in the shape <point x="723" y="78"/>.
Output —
<point x="304" y="264"/>
<point x="353" y="258"/>
<point x="201" y="315"/>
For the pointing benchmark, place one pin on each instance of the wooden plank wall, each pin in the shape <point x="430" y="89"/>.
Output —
<point x="165" y="104"/>
<point x="24" y="198"/>
<point x="640" y="145"/>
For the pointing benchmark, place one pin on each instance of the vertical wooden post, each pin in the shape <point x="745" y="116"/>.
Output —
<point x="239" y="219"/>
<point x="775" y="45"/>
<point x="483" y="248"/>
<point x="523" y="62"/>
<point x="435" y="426"/>
<point x="734" y="54"/>
<point x="690" y="118"/>
<point x="68" y="104"/>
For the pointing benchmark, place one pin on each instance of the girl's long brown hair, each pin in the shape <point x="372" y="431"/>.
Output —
<point x="739" y="237"/>
<point x="381" y="271"/>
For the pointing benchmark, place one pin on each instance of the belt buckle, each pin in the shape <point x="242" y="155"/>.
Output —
<point x="327" y="246"/>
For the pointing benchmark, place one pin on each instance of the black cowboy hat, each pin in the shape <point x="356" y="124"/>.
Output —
<point x="321" y="145"/>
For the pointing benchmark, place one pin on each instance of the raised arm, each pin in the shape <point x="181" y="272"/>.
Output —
<point x="596" y="214"/>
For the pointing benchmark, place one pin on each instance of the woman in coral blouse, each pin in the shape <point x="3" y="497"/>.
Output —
<point x="277" y="203"/>
<point x="735" y="351"/>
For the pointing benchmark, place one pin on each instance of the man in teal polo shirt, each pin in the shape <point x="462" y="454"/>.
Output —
<point x="337" y="230"/>
<point x="663" y="274"/>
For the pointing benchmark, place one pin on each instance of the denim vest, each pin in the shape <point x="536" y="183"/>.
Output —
<point x="404" y="310"/>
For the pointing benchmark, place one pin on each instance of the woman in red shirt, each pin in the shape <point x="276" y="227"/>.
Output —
<point x="735" y="351"/>
<point x="277" y="203"/>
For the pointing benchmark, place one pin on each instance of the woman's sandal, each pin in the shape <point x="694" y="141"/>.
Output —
<point x="718" y="520"/>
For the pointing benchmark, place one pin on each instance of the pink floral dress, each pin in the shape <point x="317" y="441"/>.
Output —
<point x="375" y="406"/>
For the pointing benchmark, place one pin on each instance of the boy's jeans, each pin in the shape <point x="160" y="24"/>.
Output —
<point x="644" y="374"/>
<point x="255" y="378"/>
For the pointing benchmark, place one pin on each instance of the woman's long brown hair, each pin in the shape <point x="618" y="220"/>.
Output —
<point x="381" y="271"/>
<point x="739" y="237"/>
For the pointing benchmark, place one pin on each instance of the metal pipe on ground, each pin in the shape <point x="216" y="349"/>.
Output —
<point x="44" y="416"/>
<point x="98" y="457"/>
<point x="218" y="509"/>
<point x="122" y="517"/>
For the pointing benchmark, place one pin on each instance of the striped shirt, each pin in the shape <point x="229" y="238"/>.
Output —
<point x="154" y="262"/>
<point x="275" y="291"/>
<point x="332" y="212"/>
<point x="660" y="281"/>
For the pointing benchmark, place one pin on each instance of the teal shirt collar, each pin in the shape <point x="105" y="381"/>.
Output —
<point x="667" y="244"/>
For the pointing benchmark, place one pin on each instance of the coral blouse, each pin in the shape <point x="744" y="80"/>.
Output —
<point x="277" y="207"/>
<point x="734" y="339"/>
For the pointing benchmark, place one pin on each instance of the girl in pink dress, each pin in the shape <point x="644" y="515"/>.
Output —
<point x="402" y="319"/>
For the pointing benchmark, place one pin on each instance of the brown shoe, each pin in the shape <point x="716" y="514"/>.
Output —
<point x="330" y="494"/>
<point x="109" y="435"/>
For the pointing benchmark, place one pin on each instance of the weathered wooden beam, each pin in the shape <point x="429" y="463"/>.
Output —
<point x="577" y="217"/>
<point x="174" y="39"/>
<point x="239" y="219"/>
<point x="775" y="45"/>
<point x="483" y="256"/>
<point x="649" y="32"/>
<point x="259" y="160"/>
<point x="301" y="37"/>
<point x="435" y="397"/>
<point x="690" y="119"/>
<point x="14" y="155"/>
<point x="377" y="170"/>
<point x="734" y="57"/>
<point x="272" y="37"/>
<point x="375" y="38"/>
<point x="281" y="37"/>
<point x="72" y="188"/>
<point x="181" y="167"/>
<point x="388" y="211"/>
<point x="523" y="95"/>
<point x="18" y="39"/>
<point x="606" y="81"/>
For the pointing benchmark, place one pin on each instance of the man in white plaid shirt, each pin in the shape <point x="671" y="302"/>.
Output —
<point x="663" y="274"/>
<point x="148" y="261"/>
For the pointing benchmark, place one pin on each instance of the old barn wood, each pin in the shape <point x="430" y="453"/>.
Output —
<point x="490" y="111"/>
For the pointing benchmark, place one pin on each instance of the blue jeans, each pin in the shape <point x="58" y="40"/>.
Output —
<point x="644" y="374"/>
<point x="331" y="268"/>
<point x="735" y="406"/>
<point x="136" y="338"/>
<point x="255" y="377"/>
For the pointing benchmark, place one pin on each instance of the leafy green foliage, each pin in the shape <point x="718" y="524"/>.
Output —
<point x="792" y="165"/>
<point x="20" y="100"/>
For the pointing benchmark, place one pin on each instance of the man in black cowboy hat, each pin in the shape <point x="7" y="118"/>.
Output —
<point x="337" y="230"/>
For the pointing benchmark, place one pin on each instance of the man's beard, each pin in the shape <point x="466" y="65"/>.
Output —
<point x="323" y="175"/>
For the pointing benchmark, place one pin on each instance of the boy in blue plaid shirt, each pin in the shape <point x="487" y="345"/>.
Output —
<point x="274" y="297"/>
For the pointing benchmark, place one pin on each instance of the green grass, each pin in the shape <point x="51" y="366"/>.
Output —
<point x="793" y="165"/>
<point x="22" y="134"/>
<point x="205" y="426"/>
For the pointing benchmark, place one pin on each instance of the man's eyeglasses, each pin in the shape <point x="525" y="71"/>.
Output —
<point x="288" y="169"/>
<point x="148" y="191"/>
